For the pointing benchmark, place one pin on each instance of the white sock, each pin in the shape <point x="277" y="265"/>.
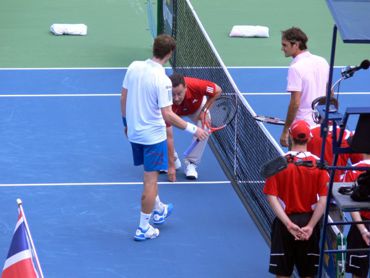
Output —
<point x="158" y="205"/>
<point x="144" y="220"/>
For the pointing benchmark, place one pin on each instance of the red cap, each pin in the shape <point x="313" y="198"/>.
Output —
<point x="300" y="130"/>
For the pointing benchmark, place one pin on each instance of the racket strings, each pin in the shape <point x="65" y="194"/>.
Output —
<point x="222" y="112"/>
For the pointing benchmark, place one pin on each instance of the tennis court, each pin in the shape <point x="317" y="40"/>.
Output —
<point x="64" y="154"/>
<point x="66" y="157"/>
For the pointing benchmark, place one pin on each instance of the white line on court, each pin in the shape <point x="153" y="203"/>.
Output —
<point x="268" y="67"/>
<point x="105" y="183"/>
<point x="92" y="68"/>
<point x="117" y="95"/>
<point x="60" y="95"/>
<point x="277" y="94"/>
<point x="120" y="68"/>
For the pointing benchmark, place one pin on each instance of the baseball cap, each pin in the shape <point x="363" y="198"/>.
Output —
<point x="300" y="130"/>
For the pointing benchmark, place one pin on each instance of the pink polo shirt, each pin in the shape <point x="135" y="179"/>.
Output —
<point x="307" y="74"/>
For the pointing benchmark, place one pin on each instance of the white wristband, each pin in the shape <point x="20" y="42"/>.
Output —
<point x="191" y="128"/>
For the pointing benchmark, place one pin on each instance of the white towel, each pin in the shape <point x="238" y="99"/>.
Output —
<point x="254" y="31"/>
<point x="69" y="29"/>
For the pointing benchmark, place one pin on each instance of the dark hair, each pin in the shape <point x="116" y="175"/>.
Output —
<point x="294" y="35"/>
<point x="300" y="141"/>
<point x="177" y="79"/>
<point x="163" y="44"/>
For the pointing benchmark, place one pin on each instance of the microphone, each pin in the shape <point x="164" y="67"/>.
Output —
<point x="348" y="71"/>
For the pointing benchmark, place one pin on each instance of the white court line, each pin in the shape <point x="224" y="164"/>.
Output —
<point x="286" y="93"/>
<point x="104" y="183"/>
<point x="265" y="94"/>
<point x="120" y="68"/>
<point x="92" y="68"/>
<point x="116" y="95"/>
<point x="60" y="95"/>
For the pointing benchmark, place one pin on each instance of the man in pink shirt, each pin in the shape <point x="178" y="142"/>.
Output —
<point x="307" y="79"/>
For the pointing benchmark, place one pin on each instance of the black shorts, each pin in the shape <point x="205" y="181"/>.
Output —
<point x="357" y="263"/>
<point x="286" y="252"/>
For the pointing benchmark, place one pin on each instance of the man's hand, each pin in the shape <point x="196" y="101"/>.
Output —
<point x="284" y="138"/>
<point x="307" y="232"/>
<point x="366" y="237"/>
<point x="295" y="230"/>
<point x="171" y="175"/>
<point x="201" y="134"/>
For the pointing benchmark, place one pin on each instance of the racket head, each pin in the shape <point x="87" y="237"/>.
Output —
<point x="269" y="120"/>
<point x="221" y="113"/>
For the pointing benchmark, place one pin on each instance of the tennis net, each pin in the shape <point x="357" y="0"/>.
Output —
<point x="244" y="145"/>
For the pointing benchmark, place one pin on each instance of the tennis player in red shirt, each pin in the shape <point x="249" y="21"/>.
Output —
<point x="297" y="195"/>
<point x="191" y="96"/>
<point x="358" y="236"/>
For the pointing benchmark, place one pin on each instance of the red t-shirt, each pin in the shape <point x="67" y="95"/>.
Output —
<point x="314" y="146"/>
<point x="298" y="187"/>
<point x="351" y="176"/>
<point x="196" y="89"/>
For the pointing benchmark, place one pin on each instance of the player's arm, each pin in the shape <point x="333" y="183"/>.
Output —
<point x="356" y="216"/>
<point x="280" y="213"/>
<point x="295" y="100"/>
<point x="123" y="107"/>
<point x="171" y="155"/>
<point x="210" y="101"/>
<point x="170" y="117"/>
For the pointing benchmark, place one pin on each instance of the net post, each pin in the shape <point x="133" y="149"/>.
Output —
<point x="160" y="17"/>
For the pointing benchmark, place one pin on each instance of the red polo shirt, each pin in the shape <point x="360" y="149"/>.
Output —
<point x="196" y="89"/>
<point x="298" y="187"/>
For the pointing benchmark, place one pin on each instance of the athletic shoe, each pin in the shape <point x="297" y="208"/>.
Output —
<point x="191" y="171"/>
<point x="177" y="163"/>
<point x="160" y="217"/>
<point x="149" y="233"/>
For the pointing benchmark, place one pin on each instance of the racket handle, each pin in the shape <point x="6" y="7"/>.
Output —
<point x="191" y="147"/>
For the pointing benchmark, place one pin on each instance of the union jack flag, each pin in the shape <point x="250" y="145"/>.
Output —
<point x="22" y="261"/>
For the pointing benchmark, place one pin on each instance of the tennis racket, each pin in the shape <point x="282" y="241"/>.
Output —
<point x="269" y="120"/>
<point x="221" y="113"/>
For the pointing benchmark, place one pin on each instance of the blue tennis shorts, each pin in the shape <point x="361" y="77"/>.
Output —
<point x="154" y="157"/>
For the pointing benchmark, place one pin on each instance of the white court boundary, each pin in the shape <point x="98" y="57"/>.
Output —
<point x="122" y="68"/>
<point x="105" y="183"/>
<point x="286" y="93"/>
<point x="117" y="95"/>
<point x="60" y="95"/>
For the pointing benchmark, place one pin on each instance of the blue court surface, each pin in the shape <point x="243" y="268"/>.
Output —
<point x="63" y="152"/>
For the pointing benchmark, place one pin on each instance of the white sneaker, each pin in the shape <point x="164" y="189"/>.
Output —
<point x="177" y="163"/>
<point x="160" y="217"/>
<point x="149" y="233"/>
<point x="191" y="171"/>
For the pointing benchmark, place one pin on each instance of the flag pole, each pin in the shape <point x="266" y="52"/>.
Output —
<point x="19" y="202"/>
